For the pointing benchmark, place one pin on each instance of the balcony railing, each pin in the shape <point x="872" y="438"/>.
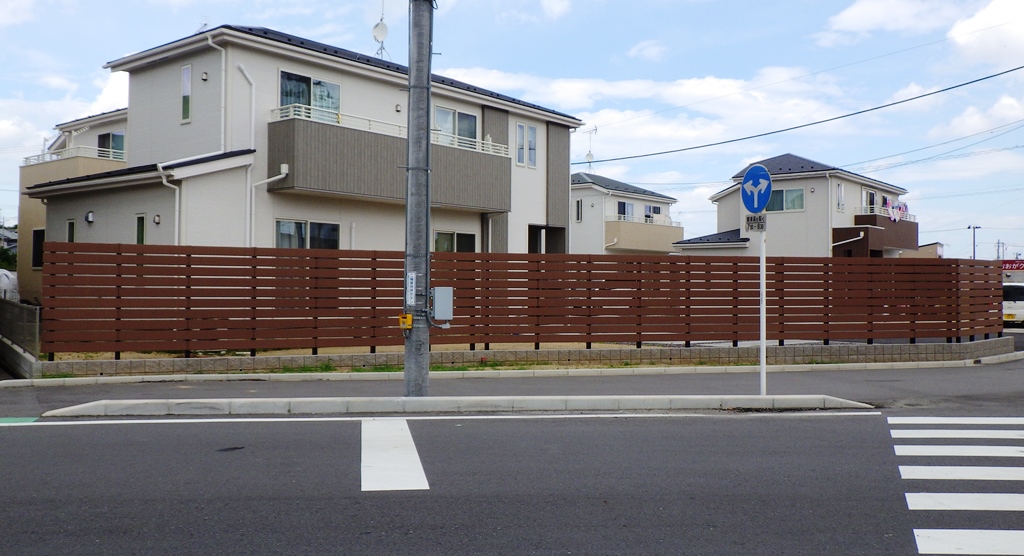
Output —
<point x="885" y="211"/>
<point x="86" y="152"/>
<point x="661" y="221"/>
<point x="303" y="112"/>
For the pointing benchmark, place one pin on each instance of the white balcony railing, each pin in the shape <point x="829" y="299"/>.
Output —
<point x="885" y="211"/>
<point x="86" y="152"/>
<point x="303" y="112"/>
<point x="658" y="220"/>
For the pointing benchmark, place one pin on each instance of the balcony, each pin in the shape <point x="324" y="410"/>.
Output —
<point x="892" y="214"/>
<point x="303" y="112"/>
<point x="74" y="152"/>
<point x="357" y="157"/>
<point x="650" y="234"/>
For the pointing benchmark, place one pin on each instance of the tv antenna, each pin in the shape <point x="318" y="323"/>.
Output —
<point x="380" y="32"/>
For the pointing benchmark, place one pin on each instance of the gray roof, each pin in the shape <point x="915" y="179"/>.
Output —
<point x="788" y="164"/>
<point x="732" y="236"/>
<point x="351" y="56"/>
<point x="581" y="178"/>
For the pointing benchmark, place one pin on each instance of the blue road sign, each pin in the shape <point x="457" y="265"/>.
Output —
<point x="756" y="188"/>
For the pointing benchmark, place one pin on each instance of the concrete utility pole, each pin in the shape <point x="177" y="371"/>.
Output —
<point x="974" y="240"/>
<point x="417" y="201"/>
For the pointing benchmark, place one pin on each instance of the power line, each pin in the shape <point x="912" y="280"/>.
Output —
<point x="801" y="126"/>
<point x="810" y="74"/>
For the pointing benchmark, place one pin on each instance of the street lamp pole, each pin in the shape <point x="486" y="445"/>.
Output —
<point x="974" y="240"/>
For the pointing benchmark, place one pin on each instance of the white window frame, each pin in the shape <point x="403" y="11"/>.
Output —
<point x="840" y="198"/>
<point x="579" y="210"/>
<point x="140" y="218"/>
<point x="520" y="144"/>
<point x="69" y="230"/>
<point x="455" y="241"/>
<point x="307" y="232"/>
<point x="531" y="146"/>
<point x="186" y="93"/>
<point x="783" y="192"/>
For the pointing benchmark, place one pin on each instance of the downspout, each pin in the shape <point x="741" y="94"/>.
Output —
<point x="250" y="195"/>
<point x="281" y="176"/>
<point x="851" y="240"/>
<point x="223" y="92"/>
<point x="177" y="198"/>
<point x="831" y="208"/>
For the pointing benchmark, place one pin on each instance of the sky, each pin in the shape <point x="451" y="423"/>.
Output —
<point x="644" y="76"/>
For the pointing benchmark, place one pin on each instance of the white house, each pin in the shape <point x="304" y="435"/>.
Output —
<point x="612" y="217"/>
<point x="815" y="210"/>
<point x="245" y="136"/>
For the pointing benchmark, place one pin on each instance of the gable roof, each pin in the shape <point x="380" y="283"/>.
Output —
<point x="582" y="178"/>
<point x="788" y="164"/>
<point x="146" y="56"/>
<point x="730" y="238"/>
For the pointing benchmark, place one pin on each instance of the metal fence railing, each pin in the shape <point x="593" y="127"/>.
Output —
<point x="19" y="323"/>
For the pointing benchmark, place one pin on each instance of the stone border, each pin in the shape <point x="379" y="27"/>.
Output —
<point x="805" y="354"/>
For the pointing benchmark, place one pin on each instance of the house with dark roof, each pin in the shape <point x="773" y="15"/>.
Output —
<point x="245" y="136"/>
<point x="815" y="210"/>
<point x="612" y="217"/>
<point x="83" y="146"/>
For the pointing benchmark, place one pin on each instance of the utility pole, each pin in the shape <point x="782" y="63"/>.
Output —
<point x="974" y="240"/>
<point x="417" y="201"/>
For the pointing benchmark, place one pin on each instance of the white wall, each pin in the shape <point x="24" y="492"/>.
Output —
<point x="587" y="236"/>
<point x="213" y="209"/>
<point x="114" y="211"/>
<point x="529" y="187"/>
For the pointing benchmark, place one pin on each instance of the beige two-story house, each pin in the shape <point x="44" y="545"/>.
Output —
<point x="245" y="136"/>
<point x="815" y="210"/>
<point x="611" y="217"/>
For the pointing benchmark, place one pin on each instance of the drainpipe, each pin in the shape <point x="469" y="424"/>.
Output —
<point x="281" y="176"/>
<point x="177" y="198"/>
<point x="223" y="92"/>
<point x="851" y="240"/>
<point x="831" y="208"/>
<point x="250" y="196"/>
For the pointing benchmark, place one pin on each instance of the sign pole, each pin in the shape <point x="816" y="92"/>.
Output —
<point x="756" y="193"/>
<point x="764" y="314"/>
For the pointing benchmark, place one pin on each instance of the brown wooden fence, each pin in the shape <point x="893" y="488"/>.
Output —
<point x="112" y="297"/>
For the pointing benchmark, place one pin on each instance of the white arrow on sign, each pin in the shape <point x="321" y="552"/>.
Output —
<point x="756" y="190"/>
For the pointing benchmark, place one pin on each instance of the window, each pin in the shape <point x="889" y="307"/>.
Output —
<point x="38" y="238"/>
<point x="186" y="93"/>
<point x="292" y="234"/>
<point x="140" y="229"/>
<point x="651" y="211"/>
<point x="579" y="210"/>
<point x="840" y="201"/>
<point x="870" y="200"/>
<point x="455" y="125"/>
<point x="307" y="91"/>
<point x="458" y="242"/>
<point x="531" y="146"/>
<point x="625" y="210"/>
<point x="521" y="144"/>
<point x="323" y="236"/>
<point x="786" y="200"/>
<point x="71" y="231"/>
<point x="111" y="145"/>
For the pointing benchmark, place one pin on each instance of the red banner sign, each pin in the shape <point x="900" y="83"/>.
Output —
<point x="1013" y="265"/>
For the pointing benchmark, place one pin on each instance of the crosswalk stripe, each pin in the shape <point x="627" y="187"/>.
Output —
<point x="956" y="433"/>
<point x="970" y="541"/>
<point x="956" y="421"/>
<point x="389" y="457"/>
<point x="974" y="501"/>
<point x="962" y="472"/>
<point x="969" y="451"/>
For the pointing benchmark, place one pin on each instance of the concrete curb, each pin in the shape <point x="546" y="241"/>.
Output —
<point x="525" y="373"/>
<point x="444" y="404"/>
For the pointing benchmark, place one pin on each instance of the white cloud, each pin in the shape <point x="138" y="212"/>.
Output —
<point x="113" y="95"/>
<point x="863" y="17"/>
<point x="974" y="120"/>
<point x="554" y="9"/>
<point x="13" y="12"/>
<point x="648" y="50"/>
<point x="913" y="90"/>
<point x="992" y="36"/>
<point x="58" y="82"/>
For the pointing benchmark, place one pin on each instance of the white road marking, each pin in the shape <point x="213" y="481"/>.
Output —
<point x="956" y="421"/>
<point x="956" y="433"/>
<point x="390" y="460"/>
<point x="962" y="473"/>
<point x="973" y="501"/>
<point x="967" y="451"/>
<point x="970" y="541"/>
